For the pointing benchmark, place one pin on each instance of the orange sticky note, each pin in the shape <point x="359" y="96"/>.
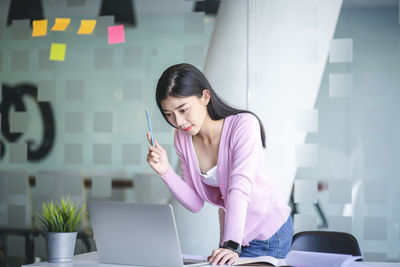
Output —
<point x="39" y="27"/>
<point x="87" y="26"/>
<point x="57" y="51"/>
<point x="60" y="24"/>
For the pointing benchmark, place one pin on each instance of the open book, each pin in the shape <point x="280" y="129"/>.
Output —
<point x="302" y="258"/>
<point x="317" y="259"/>
<point x="262" y="260"/>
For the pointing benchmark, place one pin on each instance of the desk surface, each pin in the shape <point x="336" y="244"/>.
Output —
<point x="91" y="260"/>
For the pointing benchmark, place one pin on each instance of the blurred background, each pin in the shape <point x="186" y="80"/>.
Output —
<point x="323" y="76"/>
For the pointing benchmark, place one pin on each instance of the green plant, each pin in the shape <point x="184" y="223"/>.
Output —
<point x="62" y="217"/>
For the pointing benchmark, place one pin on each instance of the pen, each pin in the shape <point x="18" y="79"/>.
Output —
<point x="149" y="125"/>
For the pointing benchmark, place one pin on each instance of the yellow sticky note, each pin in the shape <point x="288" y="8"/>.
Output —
<point x="87" y="26"/>
<point x="39" y="27"/>
<point x="60" y="24"/>
<point x="57" y="51"/>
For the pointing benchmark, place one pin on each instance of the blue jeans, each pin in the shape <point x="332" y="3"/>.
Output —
<point x="276" y="246"/>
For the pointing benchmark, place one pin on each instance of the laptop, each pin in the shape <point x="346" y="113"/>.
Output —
<point x="137" y="234"/>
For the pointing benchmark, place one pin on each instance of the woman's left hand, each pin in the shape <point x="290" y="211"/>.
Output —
<point x="223" y="256"/>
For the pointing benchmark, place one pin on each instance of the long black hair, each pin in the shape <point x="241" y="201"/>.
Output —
<point x="183" y="80"/>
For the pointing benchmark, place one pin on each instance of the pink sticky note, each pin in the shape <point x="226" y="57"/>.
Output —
<point x="116" y="34"/>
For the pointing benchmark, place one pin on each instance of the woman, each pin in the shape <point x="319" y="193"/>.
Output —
<point x="221" y="157"/>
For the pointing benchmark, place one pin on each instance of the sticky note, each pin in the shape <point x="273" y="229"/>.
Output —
<point x="39" y="27"/>
<point x="116" y="34"/>
<point x="57" y="51"/>
<point x="60" y="24"/>
<point x="87" y="26"/>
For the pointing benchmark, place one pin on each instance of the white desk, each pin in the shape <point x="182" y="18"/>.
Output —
<point x="91" y="260"/>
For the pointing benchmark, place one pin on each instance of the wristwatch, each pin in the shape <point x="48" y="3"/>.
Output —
<point x="232" y="245"/>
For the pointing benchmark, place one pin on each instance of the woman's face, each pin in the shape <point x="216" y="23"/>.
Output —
<point x="186" y="113"/>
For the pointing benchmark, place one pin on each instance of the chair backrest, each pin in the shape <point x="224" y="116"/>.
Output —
<point x="326" y="241"/>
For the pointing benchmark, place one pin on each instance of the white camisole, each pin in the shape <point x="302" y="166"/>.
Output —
<point x="211" y="177"/>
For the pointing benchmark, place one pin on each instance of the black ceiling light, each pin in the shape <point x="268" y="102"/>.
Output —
<point x="25" y="9"/>
<point x="209" y="7"/>
<point x="122" y="10"/>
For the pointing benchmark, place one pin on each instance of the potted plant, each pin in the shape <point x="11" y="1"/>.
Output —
<point x="60" y="222"/>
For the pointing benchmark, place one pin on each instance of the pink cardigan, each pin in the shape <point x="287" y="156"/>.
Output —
<point x="253" y="207"/>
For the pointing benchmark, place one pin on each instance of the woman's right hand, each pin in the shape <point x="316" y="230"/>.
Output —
<point x="157" y="157"/>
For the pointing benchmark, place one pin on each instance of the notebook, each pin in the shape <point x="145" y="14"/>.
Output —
<point x="136" y="234"/>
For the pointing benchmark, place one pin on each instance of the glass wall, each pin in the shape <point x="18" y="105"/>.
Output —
<point x="73" y="119"/>
<point x="324" y="76"/>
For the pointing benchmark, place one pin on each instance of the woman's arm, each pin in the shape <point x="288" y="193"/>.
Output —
<point x="183" y="189"/>
<point x="221" y="216"/>
<point x="246" y="148"/>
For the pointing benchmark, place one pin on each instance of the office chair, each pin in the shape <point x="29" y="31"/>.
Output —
<point x="328" y="242"/>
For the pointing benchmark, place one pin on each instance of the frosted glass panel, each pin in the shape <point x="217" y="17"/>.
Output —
<point x="86" y="113"/>
<point x="193" y="54"/>
<point x="19" y="60"/>
<point x="101" y="187"/>
<point x="45" y="63"/>
<point x="306" y="155"/>
<point x="46" y="90"/>
<point x="133" y="90"/>
<point x="103" y="58"/>
<point x="131" y="154"/>
<point x="73" y="153"/>
<point x="340" y="191"/>
<point x="102" y="153"/>
<point x="307" y="121"/>
<point x="16" y="215"/>
<point x="305" y="191"/>
<point x="375" y="228"/>
<point x="194" y="23"/>
<point x="340" y="223"/>
<point x="74" y="90"/>
<point x="375" y="193"/>
<point x="376" y="83"/>
<point x="17" y="183"/>
<point x="133" y="57"/>
<point x="74" y="122"/>
<point x="103" y="122"/>
<point x="375" y="256"/>
<point x="18" y="153"/>
<point x="304" y="222"/>
<point x="341" y="50"/>
<point x="354" y="87"/>
<point x="341" y="85"/>
<point x="21" y="29"/>
<point x="46" y="185"/>
<point x="103" y="22"/>
<point x="19" y="122"/>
